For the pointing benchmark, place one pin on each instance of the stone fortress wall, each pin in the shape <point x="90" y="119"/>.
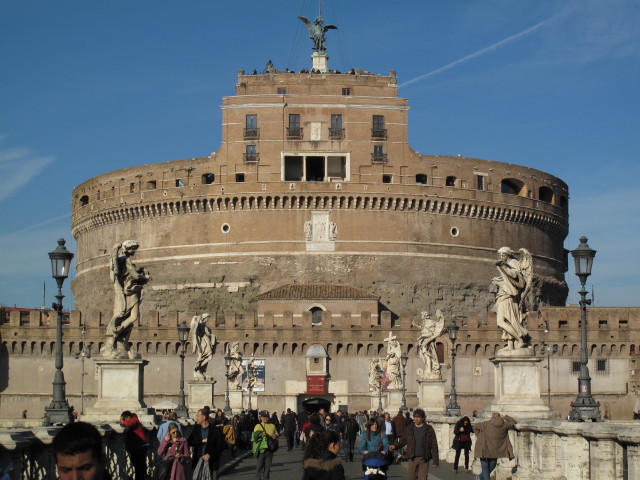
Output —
<point x="27" y="356"/>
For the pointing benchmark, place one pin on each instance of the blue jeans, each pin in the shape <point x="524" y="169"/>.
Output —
<point x="347" y="449"/>
<point x="488" y="465"/>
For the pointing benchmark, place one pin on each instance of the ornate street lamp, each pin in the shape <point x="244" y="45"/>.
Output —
<point x="546" y="348"/>
<point x="227" y="407"/>
<point x="453" y="410"/>
<point x="59" y="411"/>
<point x="84" y="352"/>
<point x="584" y="407"/>
<point x="379" y="374"/>
<point x="183" y="334"/>
<point x="404" y="358"/>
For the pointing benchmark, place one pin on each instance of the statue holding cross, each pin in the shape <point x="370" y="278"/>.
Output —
<point x="393" y="362"/>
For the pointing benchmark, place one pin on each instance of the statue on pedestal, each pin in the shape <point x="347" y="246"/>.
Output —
<point x="514" y="283"/>
<point x="317" y="32"/>
<point x="128" y="282"/>
<point x="235" y="367"/>
<point x="393" y="363"/>
<point x="252" y="374"/>
<point x="203" y="340"/>
<point x="429" y="331"/>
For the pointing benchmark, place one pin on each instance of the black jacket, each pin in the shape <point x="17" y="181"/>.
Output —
<point x="430" y="443"/>
<point x="214" y="446"/>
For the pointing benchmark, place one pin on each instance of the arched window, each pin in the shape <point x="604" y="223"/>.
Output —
<point x="208" y="178"/>
<point x="450" y="181"/>
<point x="84" y="200"/>
<point x="512" y="186"/>
<point x="545" y="194"/>
<point x="316" y="316"/>
<point x="421" y="179"/>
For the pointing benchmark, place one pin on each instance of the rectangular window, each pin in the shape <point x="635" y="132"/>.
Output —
<point x="336" y="131"/>
<point x="378" y="131"/>
<point x="132" y="187"/>
<point x="378" y="154"/>
<point x="562" y="324"/>
<point x="386" y="178"/>
<point x="480" y="182"/>
<point x="179" y="182"/>
<point x="601" y="365"/>
<point x="251" y="127"/>
<point x="575" y="367"/>
<point x="603" y="324"/>
<point x="239" y="177"/>
<point x="346" y="92"/>
<point x="282" y="91"/>
<point x="251" y="154"/>
<point x="208" y="178"/>
<point x="294" y="130"/>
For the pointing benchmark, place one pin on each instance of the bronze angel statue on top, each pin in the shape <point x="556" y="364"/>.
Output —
<point x="514" y="283"/>
<point x="317" y="32"/>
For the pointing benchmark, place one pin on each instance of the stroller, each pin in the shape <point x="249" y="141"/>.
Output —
<point x="375" y="466"/>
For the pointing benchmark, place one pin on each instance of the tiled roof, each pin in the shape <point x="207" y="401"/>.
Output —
<point x="316" y="292"/>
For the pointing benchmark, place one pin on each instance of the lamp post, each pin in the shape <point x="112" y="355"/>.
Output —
<point x="453" y="410"/>
<point x="404" y="358"/>
<point x="546" y="348"/>
<point x="84" y="352"/>
<point x="379" y="375"/>
<point x="59" y="411"/>
<point x="584" y="407"/>
<point x="227" y="407"/>
<point x="183" y="334"/>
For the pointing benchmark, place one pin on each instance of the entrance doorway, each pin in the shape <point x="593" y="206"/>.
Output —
<point x="313" y="405"/>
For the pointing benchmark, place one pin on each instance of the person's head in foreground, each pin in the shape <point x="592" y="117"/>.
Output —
<point x="77" y="448"/>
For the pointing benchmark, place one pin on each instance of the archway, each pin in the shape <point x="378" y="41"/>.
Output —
<point x="313" y="405"/>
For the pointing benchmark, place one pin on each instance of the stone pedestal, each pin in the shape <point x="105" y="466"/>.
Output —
<point x="200" y="394"/>
<point x="432" y="396"/>
<point x="235" y="400"/>
<point x="120" y="387"/>
<point x="395" y="401"/>
<point x="319" y="61"/>
<point x="517" y="387"/>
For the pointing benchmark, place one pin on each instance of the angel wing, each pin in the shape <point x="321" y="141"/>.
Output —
<point x="114" y="271"/>
<point x="195" y="321"/>
<point x="439" y="323"/>
<point x="305" y="20"/>
<point x="329" y="27"/>
<point x="526" y="269"/>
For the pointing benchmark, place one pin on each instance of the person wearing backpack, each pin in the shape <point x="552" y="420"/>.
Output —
<point x="260" y="447"/>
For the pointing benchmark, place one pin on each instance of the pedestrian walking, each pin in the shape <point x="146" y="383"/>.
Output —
<point x="175" y="452"/>
<point x="289" y="425"/>
<point x="260" y="446"/>
<point x="320" y="461"/>
<point x="207" y="442"/>
<point x="462" y="441"/>
<point x="492" y="442"/>
<point x="349" y="432"/>
<point x="422" y="446"/>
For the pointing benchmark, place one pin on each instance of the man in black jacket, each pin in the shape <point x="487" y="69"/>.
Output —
<point x="207" y="442"/>
<point x="289" y="421"/>
<point x="422" y="446"/>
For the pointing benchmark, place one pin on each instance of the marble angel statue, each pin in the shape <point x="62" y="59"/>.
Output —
<point x="236" y="370"/>
<point x="128" y="282"/>
<point x="202" y="340"/>
<point x="514" y="283"/>
<point x="394" y="352"/>
<point x="430" y="329"/>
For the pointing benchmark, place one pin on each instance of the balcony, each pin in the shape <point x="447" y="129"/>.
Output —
<point x="378" y="158"/>
<point x="336" y="133"/>
<point x="379" y="133"/>
<point x="251" y="133"/>
<point x="294" y="133"/>
<point x="251" y="157"/>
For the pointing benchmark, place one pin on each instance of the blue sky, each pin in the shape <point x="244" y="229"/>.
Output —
<point x="88" y="87"/>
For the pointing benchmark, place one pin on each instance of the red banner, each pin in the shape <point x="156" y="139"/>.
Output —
<point x="317" y="384"/>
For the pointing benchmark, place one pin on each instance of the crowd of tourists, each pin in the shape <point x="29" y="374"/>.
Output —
<point x="328" y="440"/>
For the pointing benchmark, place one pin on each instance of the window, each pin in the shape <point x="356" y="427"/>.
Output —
<point x="450" y="181"/>
<point x="239" y="177"/>
<point x="512" y="186"/>
<point x="151" y="185"/>
<point x="98" y="195"/>
<point x="378" y="154"/>
<point x="601" y="365"/>
<point x="562" y="324"/>
<point x="132" y="187"/>
<point x="386" y="178"/>
<point x="282" y="91"/>
<point x="421" y="179"/>
<point x="378" y="130"/>
<point x="84" y="200"/>
<point x="346" y="92"/>
<point x="336" y="131"/>
<point x="603" y="324"/>
<point x="250" y="154"/>
<point x="251" y="126"/>
<point x="179" y="182"/>
<point x="316" y="316"/>
<point x="480" y="183"/>
<point x="575" y="367"/>
<point x="545" y="194"/>
<point x="294" y="130"/>
<point x="208" y="178"/>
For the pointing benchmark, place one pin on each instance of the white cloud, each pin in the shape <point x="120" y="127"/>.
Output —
<point x="18" y="166"/>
